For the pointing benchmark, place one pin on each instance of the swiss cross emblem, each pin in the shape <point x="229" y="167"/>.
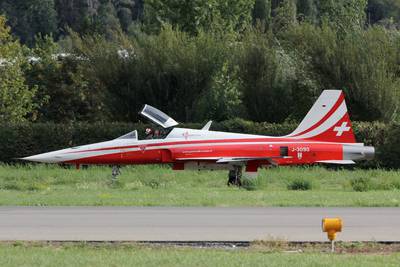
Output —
<point x="142" y="148"/>
<point x="299" y="155"/>
<point x="185" y="135"/>
<point x="341" y="129"/>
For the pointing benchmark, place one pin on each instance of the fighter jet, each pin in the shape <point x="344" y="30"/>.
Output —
<point x="325" y="136"/>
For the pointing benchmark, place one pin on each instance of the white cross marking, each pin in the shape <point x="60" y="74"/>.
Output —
<point x="186" y="135"/>
<point x="341" y="129"/>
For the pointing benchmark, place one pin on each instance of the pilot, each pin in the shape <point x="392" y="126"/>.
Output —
<point x="149" y="133"/>
<point x="157" y="134"/>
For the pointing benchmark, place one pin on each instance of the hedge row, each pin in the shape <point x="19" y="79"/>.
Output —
<point x="20" y="140"/>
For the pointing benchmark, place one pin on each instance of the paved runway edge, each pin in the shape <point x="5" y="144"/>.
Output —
<point x="165" y="224"/>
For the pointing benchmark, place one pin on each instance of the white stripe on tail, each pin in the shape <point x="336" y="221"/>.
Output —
<point x="327" y="120"/>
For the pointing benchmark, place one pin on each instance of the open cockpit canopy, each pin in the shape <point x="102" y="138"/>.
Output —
<point x="158" y="117"/>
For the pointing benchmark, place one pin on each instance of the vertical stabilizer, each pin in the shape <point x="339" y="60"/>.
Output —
<point x="327" y="120"/>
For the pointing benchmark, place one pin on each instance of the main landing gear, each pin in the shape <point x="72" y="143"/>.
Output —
<point x="235" y="176"/>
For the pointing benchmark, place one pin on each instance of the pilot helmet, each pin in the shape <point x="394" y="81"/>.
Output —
<point x="148" y="131"/>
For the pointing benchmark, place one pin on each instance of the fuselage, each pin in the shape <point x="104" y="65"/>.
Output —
<point x="325" y="135"/>
<point x="198" y="149"/>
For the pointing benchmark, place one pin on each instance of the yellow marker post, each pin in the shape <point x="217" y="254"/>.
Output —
<point x="331" y="226"/>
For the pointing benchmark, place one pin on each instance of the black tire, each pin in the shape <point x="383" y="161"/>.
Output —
<point x="231" y="178"/>
<point x="234" y="178"/>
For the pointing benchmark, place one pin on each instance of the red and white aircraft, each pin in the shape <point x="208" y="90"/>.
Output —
<point x="324" y="136"/>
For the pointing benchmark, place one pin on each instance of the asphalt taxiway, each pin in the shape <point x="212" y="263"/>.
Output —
<point x="194" y="224"/>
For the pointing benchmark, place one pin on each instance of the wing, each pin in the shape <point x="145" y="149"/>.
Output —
<point x="222" y="160"/>
<point x="228" y="160"/>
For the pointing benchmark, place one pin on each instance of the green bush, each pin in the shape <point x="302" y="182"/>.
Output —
<point x="389" y="185"/>
<point x="300" y="184"/>
<point x="361" y="184"/>
<point x="153" y="183"/>
<point x="117" y="184"/>
<point x="23" y="186"/>
<point x="389" y="152"/>
<point x="395" y="185"/>
<point x="249" y="184"/>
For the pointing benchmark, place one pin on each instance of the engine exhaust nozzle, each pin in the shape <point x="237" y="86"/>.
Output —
<point x="358" y="152"/>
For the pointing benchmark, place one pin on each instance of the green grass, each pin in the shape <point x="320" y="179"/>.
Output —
<point x="136" y="255"/>
<point x="37" y="185"/>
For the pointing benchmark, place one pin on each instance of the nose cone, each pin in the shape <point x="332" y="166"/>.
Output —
<point x="51" y="157"/>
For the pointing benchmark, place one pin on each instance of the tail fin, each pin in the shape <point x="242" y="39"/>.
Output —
<point x="327" y="120"/>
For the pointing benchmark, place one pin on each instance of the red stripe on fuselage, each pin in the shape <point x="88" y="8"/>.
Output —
<point x="194" y="142"/>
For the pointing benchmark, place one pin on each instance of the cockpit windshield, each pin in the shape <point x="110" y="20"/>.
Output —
<point x="158" y="117"/>
<point x="131" y="135"/>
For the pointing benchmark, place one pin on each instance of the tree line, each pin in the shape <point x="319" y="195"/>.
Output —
<point x="260" y="60"/>
<point x="55" y="17"/>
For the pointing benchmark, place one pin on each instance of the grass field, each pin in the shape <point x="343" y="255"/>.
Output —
<point x="19" y="254"/>
<point x="41" y="185"/>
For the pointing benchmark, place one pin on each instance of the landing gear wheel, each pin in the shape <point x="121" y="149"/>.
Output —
<point x="115" y="172"/>
<point x="234" y="177"/>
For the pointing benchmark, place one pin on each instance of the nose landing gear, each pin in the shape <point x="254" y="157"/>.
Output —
<point x="115" y="172"/>
<point x="235" y="176"/>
